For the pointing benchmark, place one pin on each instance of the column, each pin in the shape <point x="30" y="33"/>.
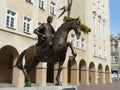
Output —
<point x="18" y="77"/>
<point x="41" y="74"/>
<point x="75" y="76"/>
<point x="84" y="77"/>
<point x="93" y="77"/>
<point x="65" y="76"/>
<point x="100" y="78"/>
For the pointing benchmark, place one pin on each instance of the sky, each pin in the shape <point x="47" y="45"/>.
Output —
<point x="114" y="17"/>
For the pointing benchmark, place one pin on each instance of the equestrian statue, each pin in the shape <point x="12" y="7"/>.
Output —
<point x="51" y="47"/>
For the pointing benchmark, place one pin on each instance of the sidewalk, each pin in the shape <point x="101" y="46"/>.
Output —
<point x="108" y="86"/>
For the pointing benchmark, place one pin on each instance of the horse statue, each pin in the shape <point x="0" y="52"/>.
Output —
<point x="59" y="48"/>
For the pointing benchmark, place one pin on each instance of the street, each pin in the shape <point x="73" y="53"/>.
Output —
<point x="108" y="86"/>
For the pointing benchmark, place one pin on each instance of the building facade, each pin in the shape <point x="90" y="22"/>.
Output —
<point x="115" y="57"/>
<point x="93" y="62"/>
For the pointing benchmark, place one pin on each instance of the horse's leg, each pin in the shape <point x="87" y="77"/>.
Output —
<point x="27" y="71"/>
<point x="73" y="51"/>
<point x="27" y="78"/>
<point x="59" y="72"/>
<point x="34" y="63"/>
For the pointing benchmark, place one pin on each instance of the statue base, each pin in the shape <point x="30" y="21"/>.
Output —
<point x="67" y="87"/>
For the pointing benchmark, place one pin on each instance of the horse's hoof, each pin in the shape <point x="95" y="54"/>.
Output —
<point x="28" y="84"/>
<point x="58" y="84"/>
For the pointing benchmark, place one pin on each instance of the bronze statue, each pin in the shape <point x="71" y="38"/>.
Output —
<point x="45" y="34"/>
<point x="59" y="48"/>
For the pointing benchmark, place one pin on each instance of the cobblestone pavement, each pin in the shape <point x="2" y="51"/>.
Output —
<point x="108" y="86"/>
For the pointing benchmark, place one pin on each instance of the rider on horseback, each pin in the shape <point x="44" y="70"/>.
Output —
<point x="45" y="34"/>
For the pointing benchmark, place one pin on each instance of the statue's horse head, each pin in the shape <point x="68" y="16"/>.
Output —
<point x="75" y="25"/>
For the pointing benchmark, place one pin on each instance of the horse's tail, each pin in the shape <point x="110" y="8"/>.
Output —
<point x="19" y="62"/>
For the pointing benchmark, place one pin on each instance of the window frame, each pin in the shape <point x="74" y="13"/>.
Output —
<point x="52" y="7"/>
<point x="30" y="1"/>
<point x="30" y="25"/>
<point x="10" y="16"/>
<point x="43" y="5"/>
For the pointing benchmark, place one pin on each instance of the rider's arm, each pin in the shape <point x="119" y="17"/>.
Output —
<point x="53" y="30"/>
<point x="38" y="30"/>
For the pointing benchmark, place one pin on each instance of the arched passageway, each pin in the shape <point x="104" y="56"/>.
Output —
<point x="100" y="74"/>
<point x="7" y="55"/>
<point x="72" y="72"/>
<point x="92" y="72"/>
<point x="82" y="72"/>
<point x="107" y="74"/>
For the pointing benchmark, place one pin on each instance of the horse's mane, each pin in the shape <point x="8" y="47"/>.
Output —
<point x="66" y="19"/>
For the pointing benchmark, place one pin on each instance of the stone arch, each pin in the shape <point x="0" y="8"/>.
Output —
<point x="8" y="54"/>
<point x="100" y="74"/>
<point x="72" y="72"/>
<point x="92" y="75"/>
<point x="107" y="74"/>
<point x="82" y="72"/>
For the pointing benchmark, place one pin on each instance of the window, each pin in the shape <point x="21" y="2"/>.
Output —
<point x="77" y="43"/>
<point x="100" y="51"/>
<point x="52" y="8"/>
<point x="94" y="50"/>
<point x="104" y="30"/>
<point x="99" y="4"/>
<point x="94" y="26"/>
<point x="27" y="27"/>
<point x="99" y="26"/>
<point x="42" y="4"/>
<point x="104" y="53"/>
<point x="11" y="19"/>
<point x="30" y="1"/>
<point x="116" y="59"/>
<point x="94" y="23"/>
<point x="72" y="39"/>
<point x="103" y="8"/>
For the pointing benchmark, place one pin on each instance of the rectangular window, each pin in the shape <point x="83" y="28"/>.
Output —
<point x="11" y="19"/>
<point x="27" y="25"/>
<point x="94" y="49"/>
<point x="94" y="26"/>
<point x="104" y="53"/>
<point x="104" y="31"/>
<point x="30" y="1"/>
<point x="116" y="59"/>
<point x="99" y="29"/>
<point x="99" y="4"/>
<point x="72" y="40"/>
<point x="52" y="8"/>
<point x="103" y="8"/>
<point x="100" y="51"/>
<point x="82" y="44"/>
<point x="42" y="4"/>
